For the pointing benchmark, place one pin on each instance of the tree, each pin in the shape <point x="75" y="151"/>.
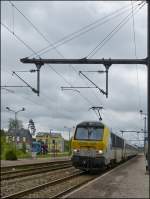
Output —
<point x="15" y="124"/>
<point x="31" y="127"/>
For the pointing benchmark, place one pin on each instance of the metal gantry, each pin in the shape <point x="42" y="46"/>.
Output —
<point x="132" y="131"/>
<point x="106" y="62"/>
<point x="25" y="82"/>
<point x="95" y="86"/>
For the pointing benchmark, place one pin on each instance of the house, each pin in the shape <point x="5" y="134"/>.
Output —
<point x="54" y="141"/>
<point x="19" y="137"/>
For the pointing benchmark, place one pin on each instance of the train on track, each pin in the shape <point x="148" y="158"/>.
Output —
<point x="94" y="147"/>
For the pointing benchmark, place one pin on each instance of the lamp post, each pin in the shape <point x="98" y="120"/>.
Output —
<point x="16" y="112"/>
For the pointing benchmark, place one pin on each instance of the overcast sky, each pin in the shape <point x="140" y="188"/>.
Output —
<point x="55" y="108"/>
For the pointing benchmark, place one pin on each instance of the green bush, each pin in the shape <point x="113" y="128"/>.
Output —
<point x="10" y="155"/>
<point x="21" y="154"/>
<point x="24" y="148"/>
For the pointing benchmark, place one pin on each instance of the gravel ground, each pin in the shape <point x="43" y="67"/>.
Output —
<point x="53" y="190"/>
<point x="5" y="163"/>
<point x="20" y="184"/>
<point x="34" y="171"/>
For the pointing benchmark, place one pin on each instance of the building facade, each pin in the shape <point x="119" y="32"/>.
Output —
<point x="54" y="141"/>
<point x="19" y="137"/>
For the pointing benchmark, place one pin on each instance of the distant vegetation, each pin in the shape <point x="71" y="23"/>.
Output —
<point x="8" y="151"/>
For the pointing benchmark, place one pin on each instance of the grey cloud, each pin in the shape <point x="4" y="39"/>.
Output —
<point x="55" y="108"/>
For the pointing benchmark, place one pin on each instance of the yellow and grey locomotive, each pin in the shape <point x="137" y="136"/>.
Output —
<point x="95" y="147"/>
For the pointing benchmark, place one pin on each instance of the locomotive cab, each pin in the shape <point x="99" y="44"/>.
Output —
<point x="89" y="145"/>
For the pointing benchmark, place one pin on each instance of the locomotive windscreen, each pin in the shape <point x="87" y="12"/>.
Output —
<point x="89" y="133"/>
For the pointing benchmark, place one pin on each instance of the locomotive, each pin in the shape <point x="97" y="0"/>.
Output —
<point x="94" y="146"/>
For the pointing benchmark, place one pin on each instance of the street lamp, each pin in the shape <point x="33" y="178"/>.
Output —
<point x="16" y="112"/>
<point x="9" y="109"/>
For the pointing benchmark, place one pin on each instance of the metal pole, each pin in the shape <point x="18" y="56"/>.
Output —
<point x="144" y="129"/>
<point x="84" y="61"/>
<point x="106" y="82"/>
<point x="15" y="129"/>
<point x="69" y="141"/>
<point x="148" y="77"/>
<point x="15" y="120"/>
<point x="122" y="147"/>
<point x="38" y="78"/>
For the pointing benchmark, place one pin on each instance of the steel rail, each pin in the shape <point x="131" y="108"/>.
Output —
<point x="34" y="164"/>
<point x="55" y="182"/>
<point x="72" y="188"/>
<point x="28" y="172"/>
<point x="39" y="187"/>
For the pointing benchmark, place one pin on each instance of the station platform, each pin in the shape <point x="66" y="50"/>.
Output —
<point x="6" y="163"/>
<point x="128" y="180"/>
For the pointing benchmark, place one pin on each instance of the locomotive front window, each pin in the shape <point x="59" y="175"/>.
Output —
<point x="89" y="133"/>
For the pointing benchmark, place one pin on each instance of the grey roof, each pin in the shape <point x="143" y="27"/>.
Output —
<point x="50" y="134"/>
<point x="19" y="132"/>
<point x="42" y="133"/>
<point x="56" y="134"/>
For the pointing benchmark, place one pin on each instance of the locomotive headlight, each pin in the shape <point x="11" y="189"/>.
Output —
<point x="75" y="150"/>
<point x="100" y="152"/>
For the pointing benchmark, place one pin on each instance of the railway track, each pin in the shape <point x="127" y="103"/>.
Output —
<point x="45" y="185"/>
<point x="34" y="170"/>
<point x="31" y="165"/>
<point x="56" y="187"/>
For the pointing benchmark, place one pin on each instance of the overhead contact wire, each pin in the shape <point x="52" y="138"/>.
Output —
<point x="17" y="37"/>
<point x="111" y="34"/>
<point x="135" y="53"/>
<point x="67" y="39"/>
<point x="48" y="42"/>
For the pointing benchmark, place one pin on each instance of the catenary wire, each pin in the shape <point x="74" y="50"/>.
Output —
<point x="38" y="55"/>
<point x="71" y="36"/>
<point x="13" y="5"/>
<point x="135" y="53"/>
<point x="112" y="33"/>
<point x="39" y="31"/>
<point x="18" y="38"/>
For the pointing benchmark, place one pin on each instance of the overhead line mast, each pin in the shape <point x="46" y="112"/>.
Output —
<point x="109" y="62"/>
<point x="148" y="78"/>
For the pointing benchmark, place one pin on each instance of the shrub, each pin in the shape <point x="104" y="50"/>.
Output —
<point x="24" y="148"/>
<point x="21" y="154"/>
<point x="10" y="155"/>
